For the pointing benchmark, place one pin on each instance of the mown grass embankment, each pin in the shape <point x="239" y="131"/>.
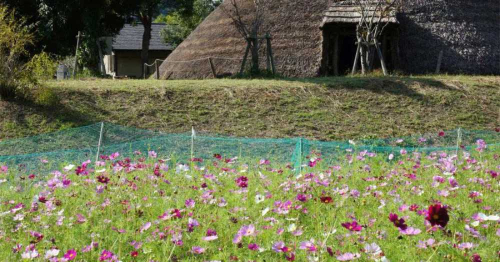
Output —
<point x="320" y="108"/>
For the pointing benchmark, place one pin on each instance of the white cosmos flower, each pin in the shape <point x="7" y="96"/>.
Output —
<point x="264" y="212"/>
<point x="259" y="198"/>
<point x="51" y="253"/>
<point x="69" y="167"/>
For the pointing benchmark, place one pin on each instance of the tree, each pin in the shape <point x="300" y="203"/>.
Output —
<point x="55" y="23"/>
<point x="375" y="16"/>
<point x="184" y="19"/>
<point x="249" y="26"/>
<point x="14" y="39"/>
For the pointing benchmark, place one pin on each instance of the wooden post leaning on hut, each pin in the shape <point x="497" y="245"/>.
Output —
<point x="212" y="66"/>
<point x="381" y="56"/>
<point x="270" y="53"/>
<point x="356" y="59"/>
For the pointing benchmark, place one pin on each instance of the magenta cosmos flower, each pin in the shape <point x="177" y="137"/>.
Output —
<point x="353" y="226"/>
<point x="70" y="255"/>
<point x="398" y="222"/>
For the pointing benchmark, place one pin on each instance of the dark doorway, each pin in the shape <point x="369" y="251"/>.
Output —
<point x="339" y="49"/>
<point x="347" y="52"/>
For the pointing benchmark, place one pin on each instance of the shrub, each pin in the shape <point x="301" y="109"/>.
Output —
<point x="14" y="38"/>
<point x="42" y="66"/>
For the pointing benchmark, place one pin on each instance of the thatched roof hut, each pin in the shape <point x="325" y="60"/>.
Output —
<point x="316" y="37"/>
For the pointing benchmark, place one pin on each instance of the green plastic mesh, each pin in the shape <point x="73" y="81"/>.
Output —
<point x="51" y="151"/>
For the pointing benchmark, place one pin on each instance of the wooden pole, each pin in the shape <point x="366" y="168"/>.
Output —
<point x="382" y="61"/>
<point x="356" y="59"/>
<point x="76" y="53"/>
<point x="336" y="56"/>
<point x="144" y="71"/>
<point x="271" y="55"/>
<point x="212" y="66"/>
<point x="101" y="58"/>
<point x="157" y="65"/>
<point x="440" y="60"/>
<point x="245" y="58"/>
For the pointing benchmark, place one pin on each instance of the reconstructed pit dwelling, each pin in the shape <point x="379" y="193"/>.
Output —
<point x="317" y="37"/>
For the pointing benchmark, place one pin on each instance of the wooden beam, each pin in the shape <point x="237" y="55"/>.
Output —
<point x="212" y="66"/>
<point x="157" y="65"/>
<point x="356" y="59"/>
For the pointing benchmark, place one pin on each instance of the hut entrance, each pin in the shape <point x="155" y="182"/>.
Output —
<point x="339" y="49"/>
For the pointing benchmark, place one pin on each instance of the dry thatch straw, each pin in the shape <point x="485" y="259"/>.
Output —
<point x="466" y="31"/>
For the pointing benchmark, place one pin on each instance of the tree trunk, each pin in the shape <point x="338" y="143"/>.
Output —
<point x="255" y="55"/>
<point x="363" y="59"/>
<point x="146" y="39"/>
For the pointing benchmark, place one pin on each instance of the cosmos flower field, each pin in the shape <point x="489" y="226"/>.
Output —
<point x="366" y="207"/>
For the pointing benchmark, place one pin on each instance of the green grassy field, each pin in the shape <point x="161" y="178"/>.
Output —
<point x="318" y="108"/>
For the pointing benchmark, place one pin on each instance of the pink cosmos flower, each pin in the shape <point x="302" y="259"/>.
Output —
<point x="279" y="247"/>
<point x="190" y="203"/>
<point x="145" y="227"/>
<point x="348" y="257"/>
<point x="301" y="197"/>
<point x="308" y="245"/>
<point x="410" y="231"/>
<point x="481" y="145"/>
<point x="211" y="235"/>
<point x="70" y="255"/>
<point x="152" y="154"/>
<point x="3" y="169"/>
<point x="197" y="250"/>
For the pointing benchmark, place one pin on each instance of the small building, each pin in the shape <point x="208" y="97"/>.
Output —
<point x="122" y="53"/>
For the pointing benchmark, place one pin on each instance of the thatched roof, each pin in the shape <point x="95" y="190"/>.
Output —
<point x="349" y="12"/>
<point x="466" y="31"/>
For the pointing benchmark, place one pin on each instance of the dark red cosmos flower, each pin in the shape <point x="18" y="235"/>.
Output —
<point x="330" y="251"/>
<point x="32" y="176"/>
<point x="398" y="222"/>
<point x="414" y="207"/>
<point x="134" y="254"/>
<point x="353" y="226"/>
<point x="176" y="213"/>
<point x="441" y="133"/>
<point x="497" y="129"/>
<point x="326" y="199"/>
<point x="242" y="181"/>
<point x="476" y="258"/>
<point x="103" y="179"/>
<point x="437" y="215"/>
<point x="218" y="156"/>
<point x="290" y="257"/>
<point x="42" y="199"/>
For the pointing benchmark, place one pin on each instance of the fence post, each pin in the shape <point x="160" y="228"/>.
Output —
<point x="193" y="134"/>
<point x="157" y="69"/>
<point x="459" y="139"/>
<point x="99" y="144"/>
<point x="300" y="155"/>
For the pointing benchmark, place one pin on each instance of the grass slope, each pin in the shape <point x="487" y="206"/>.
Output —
<point x="320" y="108"/>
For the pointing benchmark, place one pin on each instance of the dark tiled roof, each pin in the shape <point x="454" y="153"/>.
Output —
<point x="130" y="38"/>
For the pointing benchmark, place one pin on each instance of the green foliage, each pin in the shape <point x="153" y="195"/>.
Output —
<point x="45" y="96"/>
<point x="14" y="40"/>
<point x="182" y="21"/>
<point x="42" y="66"/>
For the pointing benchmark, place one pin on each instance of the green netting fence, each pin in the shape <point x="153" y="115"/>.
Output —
<point x="51" y="151"/>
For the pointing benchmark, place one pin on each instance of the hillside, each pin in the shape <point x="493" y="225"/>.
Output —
<point x="321" y="108"/>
